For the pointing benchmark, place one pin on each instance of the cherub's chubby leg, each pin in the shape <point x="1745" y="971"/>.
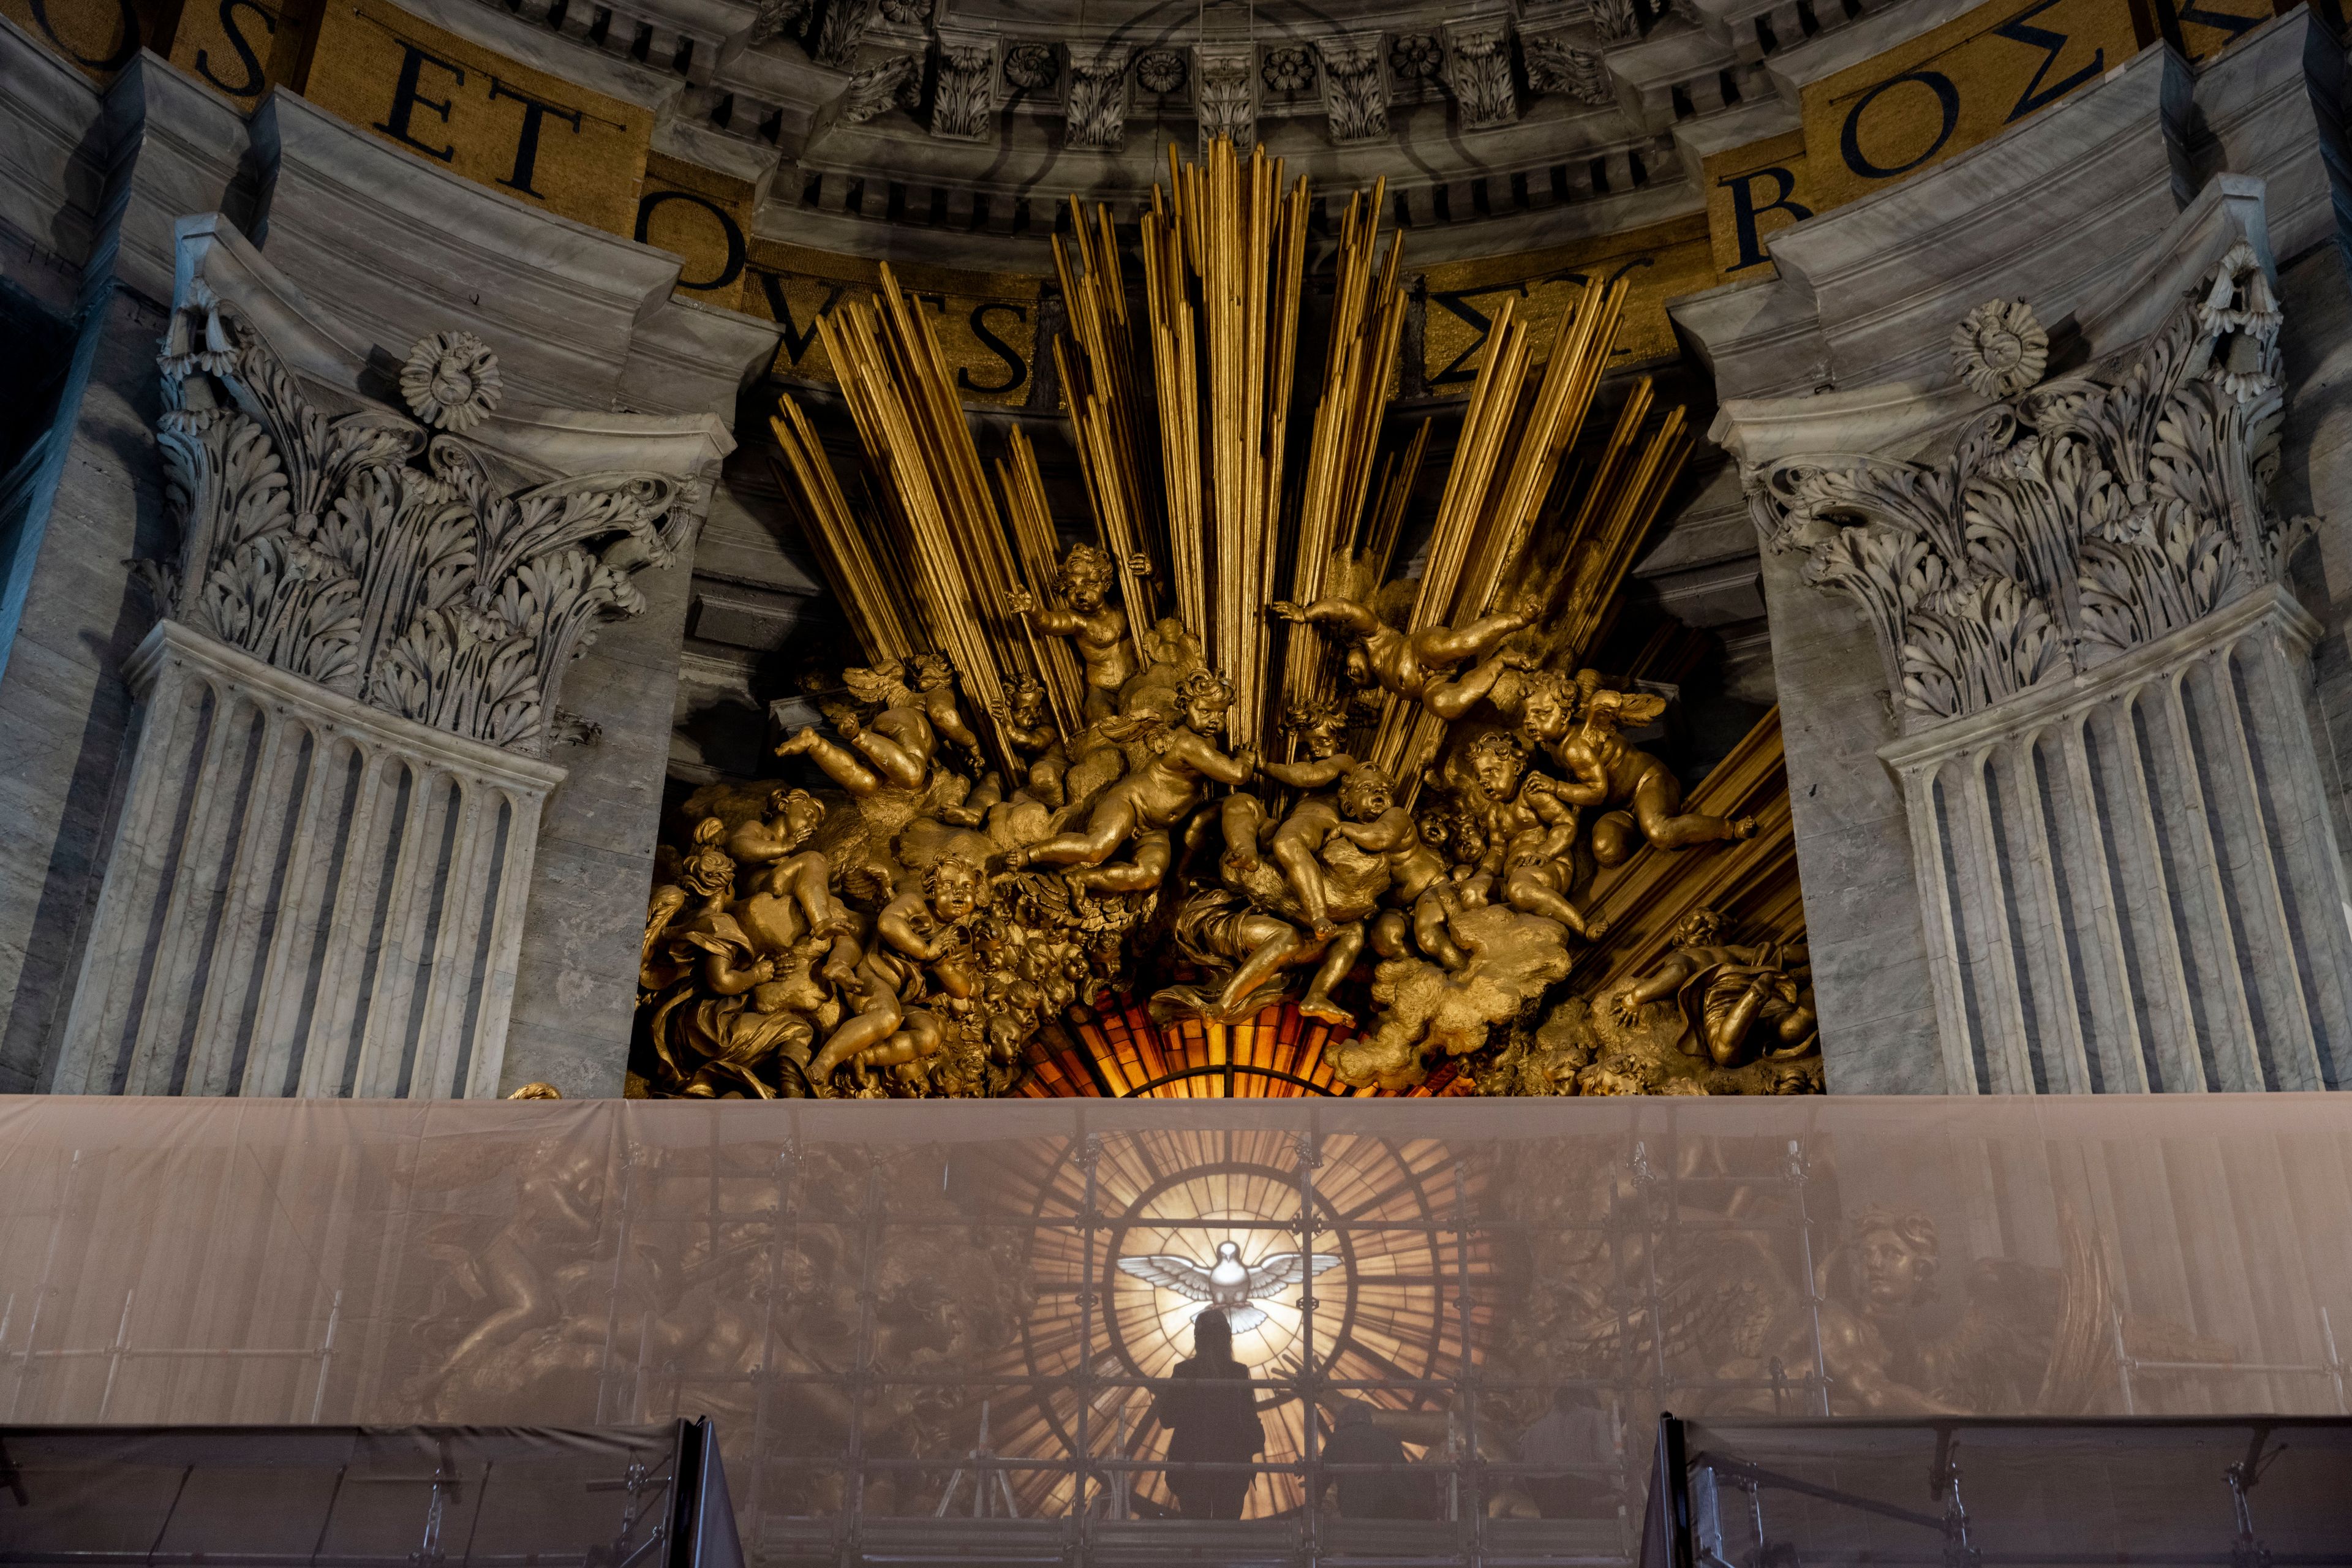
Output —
<point x="841" y="766"/>
<point x="1111" y="824"/>
<point x="1153" y="852"/>
<point x="1275" y="946"/>
<point x="807" y="879"/>
<point x="861" y="1032"/>
<point x="1295" y="844"/>
<point x="1528" y="891"/>
<point x="1392" y="935"/>
<point x="840" y="966"/>
<point x="1339" y="958"/>
<point x="899" y="764"/>
<point x="1450" y="700"/>
<point x="918" y="1040"/>
<point x="1440" y="646"/>
<point x="1657" y="806"/>
<point x="1241" y="816"/>
<point x="1432" y="930"/>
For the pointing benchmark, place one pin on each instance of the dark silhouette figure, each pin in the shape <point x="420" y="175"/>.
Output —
<point x="1356" y="1441"/>
<point x="1210" y="1414"/>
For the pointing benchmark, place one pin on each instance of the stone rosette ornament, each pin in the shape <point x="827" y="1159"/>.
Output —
<point x="451" y="381"/>
<point x="1999" y="350"/>
<point x="1161" y="71"/>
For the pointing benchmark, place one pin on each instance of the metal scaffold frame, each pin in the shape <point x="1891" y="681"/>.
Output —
<point x="1099" y="1527"/>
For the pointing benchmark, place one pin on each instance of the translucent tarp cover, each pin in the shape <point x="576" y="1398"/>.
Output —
<point x="2042" y="1491"/>
<point x="901" y="1314"/>
<point x="329" y="1496"/>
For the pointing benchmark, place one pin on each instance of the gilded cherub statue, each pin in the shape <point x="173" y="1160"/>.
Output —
<point x="1409" y="663"/>
<point x="1317" y="726"/>
<point x="1742" y="1002"/>
<point x="791" y="894"/>
<point x="720" y="1013"/>
<point x="1603" y="771"/>
<point x="1530" y="834"/>
<point x="1028" y="730"/>
<point x="1144" y="804"/>
<point x="1333" y="853"/>
<point x="918" y="947"/>
<point x="1098" y="630"/>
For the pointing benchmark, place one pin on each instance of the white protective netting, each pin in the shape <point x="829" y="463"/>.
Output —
<point x="846" y="1288"/>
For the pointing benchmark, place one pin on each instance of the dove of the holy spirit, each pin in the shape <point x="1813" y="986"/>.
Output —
<point x="1228" y="1282"/>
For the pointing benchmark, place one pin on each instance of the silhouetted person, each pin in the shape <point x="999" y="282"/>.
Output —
<point x="1210" y="1414"/>
<point x="1356" y="1440"/>
<point x="1570" y="1433"/>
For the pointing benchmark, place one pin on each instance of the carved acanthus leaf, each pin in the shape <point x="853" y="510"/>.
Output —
<point x="897" y="82"/>
<point x="1556" y="64"/>
<point x="1617" y="21"/>
<point x="320" y="543"/>
<point x="2079" y="519"/>
<point x="964" y="98"/>
<point x="1355" y="86"/>
<point x="1097" y="102"/>
<point x="1478" y="69"/>
<point x="1225" y="94"/>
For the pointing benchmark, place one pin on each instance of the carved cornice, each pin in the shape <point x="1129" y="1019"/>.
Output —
<point x="2076" y="519"/>
<point x="392" y="563"/>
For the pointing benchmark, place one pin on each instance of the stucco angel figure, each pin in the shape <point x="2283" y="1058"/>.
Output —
<point x="1097" y="630"/>
<point x="1410" y="663"/>
<point x="1333" y="851"/>
<point x="1528" y="828"/>
<point x="1182" y="759"/>
<point x="719" y="1017"/>
<point x="1023" y="720"/>
<point x="920" y="948"/>
<point x="1605" y="772"/>
<point x="2031" y="1341"/>
<point x="1740" y="1003"/>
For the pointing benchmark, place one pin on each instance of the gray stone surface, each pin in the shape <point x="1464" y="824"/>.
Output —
<point x="396" y="249"/>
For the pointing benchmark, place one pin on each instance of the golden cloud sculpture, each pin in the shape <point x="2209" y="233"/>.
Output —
<point x="1219" y="755"/>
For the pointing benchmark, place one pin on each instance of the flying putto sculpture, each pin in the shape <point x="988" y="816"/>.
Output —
<point x="1220" y="751"/>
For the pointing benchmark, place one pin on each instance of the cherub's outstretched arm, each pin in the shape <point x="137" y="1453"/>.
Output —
<point x="1308" y="774"/>
<point x="896" y="924"/>
<point x="1346" y="614"/>
<point x="1206" y="760"/>
<point x="1589" y="783"/>
<point x="1385" y="832"/>
<point x="1657" y="986"/>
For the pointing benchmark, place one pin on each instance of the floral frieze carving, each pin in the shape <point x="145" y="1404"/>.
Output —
<point x="2078" y="517"/>
<point x="388" y="562"/>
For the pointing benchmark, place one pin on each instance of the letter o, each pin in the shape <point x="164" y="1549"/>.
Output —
<point x="1947" y="99"/>
<point x="732" y="269"/>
